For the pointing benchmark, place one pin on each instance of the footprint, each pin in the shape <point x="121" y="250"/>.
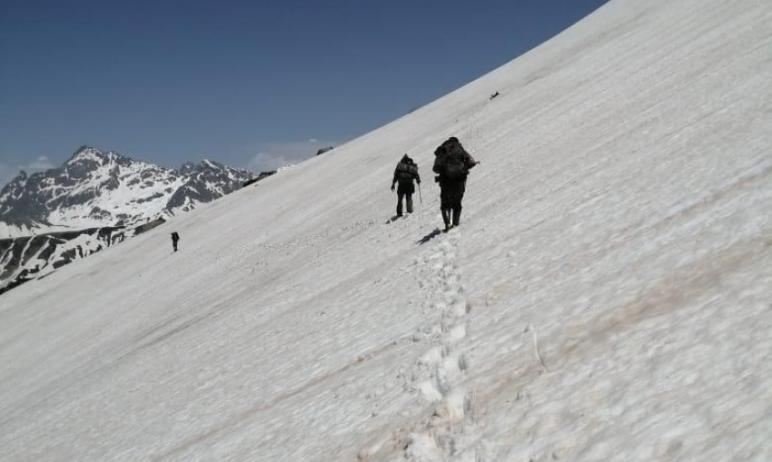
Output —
<point x="439" y="374"/>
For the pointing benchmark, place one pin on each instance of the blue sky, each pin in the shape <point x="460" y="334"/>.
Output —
<point x="248" y="83"/>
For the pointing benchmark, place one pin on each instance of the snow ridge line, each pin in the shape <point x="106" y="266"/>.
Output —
<point x="442" y="369"/>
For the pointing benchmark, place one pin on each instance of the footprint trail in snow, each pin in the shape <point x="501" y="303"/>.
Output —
<point x="448" y="434"/>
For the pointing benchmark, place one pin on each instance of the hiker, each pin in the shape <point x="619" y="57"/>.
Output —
<point x="452" y="164"/>
<point x="175" y="239"/>
<point x="405" y="173"/>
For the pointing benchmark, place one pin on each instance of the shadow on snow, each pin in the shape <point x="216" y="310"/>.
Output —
<point x="434" y="233"/>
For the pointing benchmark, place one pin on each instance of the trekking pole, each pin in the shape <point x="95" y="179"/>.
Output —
<point x="420" y="197"/>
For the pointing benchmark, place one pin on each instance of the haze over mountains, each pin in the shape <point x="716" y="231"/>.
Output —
<point x="607" y="296"/>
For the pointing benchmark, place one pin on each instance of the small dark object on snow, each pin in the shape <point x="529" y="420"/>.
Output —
<point x="325" y="149"/>
<point x="452" y="164"/>
<point x="175" y="239"/>
<point x="405" y="173"/>
<point x="495" y="94"/>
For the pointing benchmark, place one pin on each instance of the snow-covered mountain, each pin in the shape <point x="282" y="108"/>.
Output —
<point x="96" y="200"/>
<point x="29" y="257"/>
<point x="606" y="297"/>
<point x="97" y="189"/>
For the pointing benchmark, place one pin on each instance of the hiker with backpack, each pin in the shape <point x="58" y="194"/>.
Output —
<point x="452" y="164"/>
<point x="405" y="173"/>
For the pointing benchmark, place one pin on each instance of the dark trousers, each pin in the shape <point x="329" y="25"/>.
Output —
<point x="174" y="244"/>
<point x="451" y="195"/>
<point x="408" y="201"/>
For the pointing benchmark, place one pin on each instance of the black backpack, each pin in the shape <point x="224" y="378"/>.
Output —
<point x="453" y="160"/>
<point x="406" y="171"/>
<point x="455" y="168"/>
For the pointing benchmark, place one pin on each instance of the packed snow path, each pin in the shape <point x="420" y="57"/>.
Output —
<point x="615" y="250"/>
<point x="447" y="432"/>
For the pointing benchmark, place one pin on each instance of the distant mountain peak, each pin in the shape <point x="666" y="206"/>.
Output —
<point x="103" y="188"/>
<point x="86" y="153"/>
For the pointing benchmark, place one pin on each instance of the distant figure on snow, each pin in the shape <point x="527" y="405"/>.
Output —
<point x="175" y="239"/>
<point x="404" y="174"/>
<point x="452" y="164"/>
<point x="495" y="94"/>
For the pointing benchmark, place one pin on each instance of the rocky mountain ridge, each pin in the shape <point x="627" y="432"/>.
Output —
<point x="96" y="200"/>
<point x="96" y="189"/>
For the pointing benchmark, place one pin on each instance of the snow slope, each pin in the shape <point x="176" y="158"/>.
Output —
<point x="607" y="297"/>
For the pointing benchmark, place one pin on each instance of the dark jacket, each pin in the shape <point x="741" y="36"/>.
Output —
<point x="452" y="162"/>
<point x="405" y="173"/>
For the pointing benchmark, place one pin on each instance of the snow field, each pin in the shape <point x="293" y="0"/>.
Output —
<point x="607" y="296"/>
